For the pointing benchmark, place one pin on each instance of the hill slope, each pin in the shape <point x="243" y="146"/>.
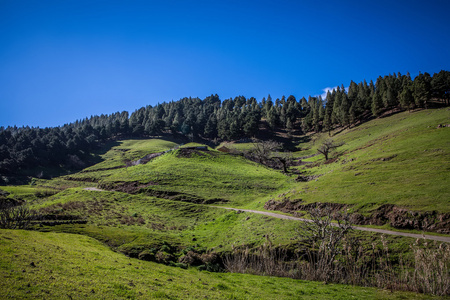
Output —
<point x="398" y="162"/>
<point x="57" y="266"/>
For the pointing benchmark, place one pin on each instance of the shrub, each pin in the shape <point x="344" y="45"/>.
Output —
<point x="16" y="217"/>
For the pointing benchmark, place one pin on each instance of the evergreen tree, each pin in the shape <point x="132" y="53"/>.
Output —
<point x="407" y="98"/>
<point x="377" y="104"/>
<point x="422" y="89"/>
<point x="440" y="85"/>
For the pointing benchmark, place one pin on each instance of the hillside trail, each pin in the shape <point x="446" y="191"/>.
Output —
<point x="438" y="238"/>
<point x="94" y="189"/>
<point x="413" y="235"/>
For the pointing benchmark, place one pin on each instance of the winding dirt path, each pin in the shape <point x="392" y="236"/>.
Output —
<point x="445" y="239"/>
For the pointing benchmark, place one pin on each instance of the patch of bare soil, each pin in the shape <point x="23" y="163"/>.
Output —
<point x="93" y="189"/>
<point x="83" y="179"/>
<point x="135" y="187"/>
<point x="132" y="187"/>
<point x="401" y="218"/>
<point x="393" y="215"/>
<point x="303" y="178"/>
<point x="188" y="152"/>
<point x="144" y="160"/>
<point x="384" y="158"/>
<point x="296" y="207"/>
<point x="172" y="195"/>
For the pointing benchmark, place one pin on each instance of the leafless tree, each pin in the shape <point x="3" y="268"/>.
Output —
<point x="327" y="147"/>
<point x="323" y="239"/>
<point x="262" y="150"/>
<point x="285" y="159"/>
<point x="16" y="217"/>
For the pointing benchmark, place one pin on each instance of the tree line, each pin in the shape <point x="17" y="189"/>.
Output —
<point x="67" y="146"/>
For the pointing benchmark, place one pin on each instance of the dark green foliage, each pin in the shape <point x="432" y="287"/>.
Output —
<point x="441" y="85"/>
<point x="422" y="90"/>
<point x="31" y="151"/>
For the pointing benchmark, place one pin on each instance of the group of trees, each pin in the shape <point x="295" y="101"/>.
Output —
<point x="362" y="101"/>
<point x="212" y="118"/>
<point x="209" y="118"/>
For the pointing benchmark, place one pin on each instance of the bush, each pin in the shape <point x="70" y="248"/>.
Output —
<point x="16" y="217"/>
<point x="147" y="255"/>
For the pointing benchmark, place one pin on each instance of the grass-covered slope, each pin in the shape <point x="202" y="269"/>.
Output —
<point x="204" y="175"/>
<point x="403" y="159"/>
<point x="131" y="150"/>
<point x="133" y="223"/>
<point x="36" y="265"/>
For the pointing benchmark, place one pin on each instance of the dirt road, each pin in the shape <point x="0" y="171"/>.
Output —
<point x="413" y="235"/>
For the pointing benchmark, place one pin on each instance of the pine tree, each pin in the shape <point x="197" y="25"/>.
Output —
<point x="422" y="89"/>
<point x="407" y="98"/>
<point x="377" y="104"/>
<point x="440" y="85"/>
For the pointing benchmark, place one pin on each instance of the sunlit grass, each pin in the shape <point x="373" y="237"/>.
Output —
<point x="129" y="150"/>
<point x="400" y="160"/>
<point x="37" y="265"/>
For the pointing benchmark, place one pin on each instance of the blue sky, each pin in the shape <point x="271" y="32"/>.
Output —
<point x="65" y="60"/>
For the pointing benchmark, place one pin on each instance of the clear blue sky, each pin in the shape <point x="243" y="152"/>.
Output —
<point x="68" y="59"/>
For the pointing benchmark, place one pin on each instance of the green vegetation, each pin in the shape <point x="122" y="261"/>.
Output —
<point x="402" y="160"/>
<point x="168" y="210"/>
<point x="141" y="222"/>
<point x="45" y="152"/>
<point x="58" y="266"/>
<point x="200" y="174"/>
<point x="131" y="150"/>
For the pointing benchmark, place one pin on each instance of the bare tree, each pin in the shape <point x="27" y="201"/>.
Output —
<point x="285" y="159"/>
<point x="327" y="147"/>
<point x="323" y="239"/>
<point x="262" y="150"/>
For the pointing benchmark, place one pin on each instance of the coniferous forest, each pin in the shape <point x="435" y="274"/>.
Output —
<point x="24" y="149"/>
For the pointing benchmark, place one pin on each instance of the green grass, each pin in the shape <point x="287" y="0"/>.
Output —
<point x="413" y="174"/>
<point x="66" y="266"/>
<point x="206" y="174"/>
<point x="238" y="146"/>
<point x="28" y="193"/>
<point x="148" y="220"/>
<point x="130" y="150"/>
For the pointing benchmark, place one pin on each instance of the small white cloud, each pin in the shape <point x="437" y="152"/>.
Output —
<point x="325" y="91"/>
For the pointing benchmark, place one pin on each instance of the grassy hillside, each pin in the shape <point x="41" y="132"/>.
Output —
<point x="132" y="223"/>
<point x="66" y="266"/>
<point x="198" y="174"/>
<point x="169" y="206"/>
<point x="130" y="150"/>
<point x="402" y="159"/>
